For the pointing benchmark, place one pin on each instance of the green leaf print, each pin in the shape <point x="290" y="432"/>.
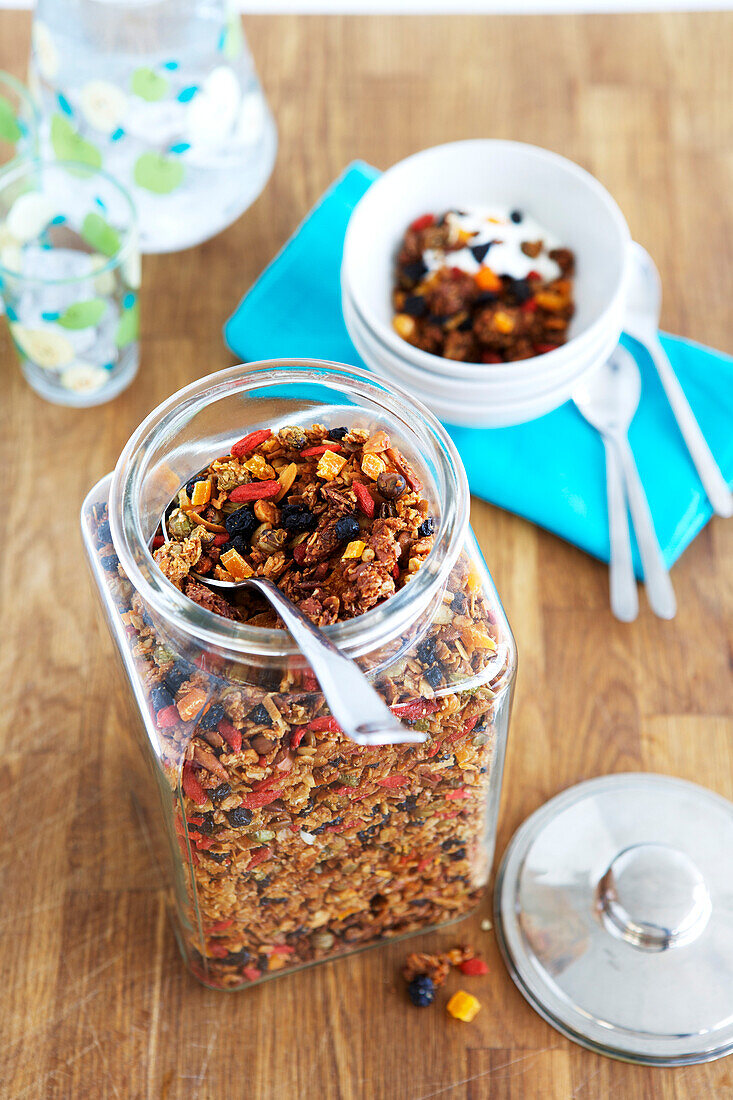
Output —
<point x="83" y="314"/>
<point x="102" y="236"/>
<point x="9" y="128"/>
<point x="158" y="174"/>
<point x="148" y="84"/>
<point x="128" y="326"/>
<point x="69" y="145"/>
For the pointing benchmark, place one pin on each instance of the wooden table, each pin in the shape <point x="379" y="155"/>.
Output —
<point x="95" y="1001"/>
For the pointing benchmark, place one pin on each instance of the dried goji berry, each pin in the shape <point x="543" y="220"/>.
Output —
<point x="256" y="490"/>
<point x="297" y="737"/>
<point x="460" y="792"/>
<point x="364" y="498"/>
<point x="218" y="950"/>
<point x="393" y="781"/>
<point x="158" y="541"/>
<point x="490" y="357"/>
<point x="192" y="787"/>
<point x="529" y="306"/>
<point x="257" y="799"/>
<point x="534" y="275"/>
<point x="422" y="222"/>
<point x="260" y="855"/>
<point x="327" y="724"/>
<point x="265" y="784"/>
<point x="541" y="349"/>
<point x="167" y="717"/>
<point x="311" y="452"/>
<point x="220" y="925"/>
<point x="231" y="735"/>
<point x="220" y="540"/>
<point x="417" y="708"/>
<point x="474" y="967"/>
<point x="251" y="973"/>
<point x="251" y="442"/>
<point x="283" y="949"/>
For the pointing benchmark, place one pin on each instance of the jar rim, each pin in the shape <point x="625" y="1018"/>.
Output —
<point x="355" y="636"/>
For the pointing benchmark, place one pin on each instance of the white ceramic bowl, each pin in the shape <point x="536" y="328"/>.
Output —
<point x="557" y="192"/>
<point x="488" y="387"/>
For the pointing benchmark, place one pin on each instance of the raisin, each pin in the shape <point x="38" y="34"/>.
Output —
<point x="415" y="305"/>
<point x="521" y="290"/>
<point x="104" y="535"/>
<point x="346" y="528"/>
<point x="176" y="676"/>
<point x="426" y="651"/>
<point x="239" y="817"/>
<point x="110" y="563"/>
<point x="161" y="698"/>
<point x="243" y="522"/>
<point x="212" y="718"/>
<point x="337" y="434"/>
<point x="434" y="675"/>
<point x="237" y="958"/>
<point x="218" y="857"/>
<point x="259" y="716"/>
<point x="427" y="527"/>
<point x="297" y="518"/>
<point x="220" y="793"/>
<point x="479" y="251"/>
<point x="391" y="485"/>
<point x="414" y="271"/>
<point x="516" y="216"/>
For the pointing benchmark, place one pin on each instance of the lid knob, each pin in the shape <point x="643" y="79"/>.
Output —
<point x="654" y="897"/>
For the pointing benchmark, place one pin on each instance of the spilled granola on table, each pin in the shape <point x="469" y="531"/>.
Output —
<point x="296" y="844"/>
<point x="482" y="286"/>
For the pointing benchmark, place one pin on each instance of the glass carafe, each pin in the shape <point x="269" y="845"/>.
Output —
<point x="163" y="95"/>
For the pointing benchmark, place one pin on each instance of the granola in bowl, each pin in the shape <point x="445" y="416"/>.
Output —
<point x="482" y="286"/>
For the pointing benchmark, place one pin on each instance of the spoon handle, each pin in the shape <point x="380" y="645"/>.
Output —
<point x="656" y="576"/>
<point x="708" y="470"/>
<point x="357" y="707"/>
<point x="622" y="582"/>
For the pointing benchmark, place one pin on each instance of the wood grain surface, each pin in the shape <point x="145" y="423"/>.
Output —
<point x="95" y="1001"/>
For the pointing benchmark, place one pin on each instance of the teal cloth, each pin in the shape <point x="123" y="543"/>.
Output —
<point x="551" y="470"/>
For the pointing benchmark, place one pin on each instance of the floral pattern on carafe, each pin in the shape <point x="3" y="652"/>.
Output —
<point x="163" y="95"/>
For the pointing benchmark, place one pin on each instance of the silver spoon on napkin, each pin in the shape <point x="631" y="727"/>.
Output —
<point x="608" y="401"/>
<point x="641" y="320"/>
<point x="360" y="711"/>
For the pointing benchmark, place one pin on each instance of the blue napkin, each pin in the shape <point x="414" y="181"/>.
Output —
<point x="551" y="470"/>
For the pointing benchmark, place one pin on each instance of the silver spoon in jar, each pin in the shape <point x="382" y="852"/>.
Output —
<point x="345" y="687"/>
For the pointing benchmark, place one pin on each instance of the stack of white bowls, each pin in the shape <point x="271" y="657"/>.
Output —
<point x="572" y="205"/>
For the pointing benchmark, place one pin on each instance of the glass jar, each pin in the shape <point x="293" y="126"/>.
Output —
<point x="164" y="96"/>
<point x="286" y="843"/>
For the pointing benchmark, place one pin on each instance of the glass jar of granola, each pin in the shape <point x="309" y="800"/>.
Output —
<point x="286" y="843"/>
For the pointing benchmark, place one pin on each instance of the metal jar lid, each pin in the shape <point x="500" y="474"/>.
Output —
<point x="614" y="913"/>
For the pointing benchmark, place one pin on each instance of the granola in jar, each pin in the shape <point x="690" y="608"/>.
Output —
<point x="482" y="286"/>
<point x="295" y="845"/>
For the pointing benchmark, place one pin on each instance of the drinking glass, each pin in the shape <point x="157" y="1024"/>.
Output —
<point x="18" y="120"/>
<point x="163" y="95"/>
<point x="69" y="276"/>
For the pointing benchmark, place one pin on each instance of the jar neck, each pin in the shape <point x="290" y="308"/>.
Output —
<point x="181" y="435"/>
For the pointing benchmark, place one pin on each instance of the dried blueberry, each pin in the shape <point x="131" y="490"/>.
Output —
<point x="110" y="563"/>
<point x="242" y="522"/>
<point x="422" y="990"/>
<point x="460" y="853"/>
<point x="259" y="716"/>
<point x="458" y="603"/>
<point x="176" y="676"/>
<point x="521" y="290"/>
<point x="240" y="543"/>
<point x="212" y="718"/>
<point x="346" y="528"/>
<point x="239" y="817"/>
<point x="466" y="325"/>
<point x="237" y="958"/>
<point x="161" y="698"/>
<point x="479" y="251"/>
<point x="218" y="857"/>
<point x="427" y="527"/>
<point x="190" y="485"/>
<point x="220" y="793"/>
<point x="434" y="675"/>
<point x="485" y="297"/>
<point x="296" y="518"/>
<point x="516" y="216"/>
<point x="104" y="535"/>
<point x="426" y="651"/>
<point x="337" y="433"/>
<point x="414" y="271"/>
<point x="415" y="305"/>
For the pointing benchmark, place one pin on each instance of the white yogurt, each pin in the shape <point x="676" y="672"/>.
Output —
<point x="504" y="257"/>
